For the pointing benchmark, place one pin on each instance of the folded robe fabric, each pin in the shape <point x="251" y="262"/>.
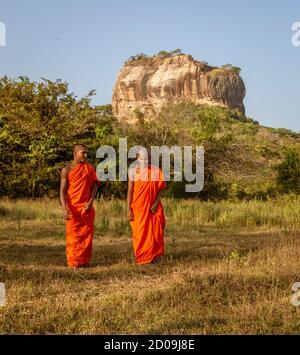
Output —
<point x="147" y="228"/>
<point x="80" y="227"/>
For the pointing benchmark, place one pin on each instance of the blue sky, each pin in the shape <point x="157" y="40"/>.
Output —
<point x="86" y="43"/>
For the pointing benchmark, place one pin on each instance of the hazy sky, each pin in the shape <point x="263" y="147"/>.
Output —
<point x="86" y="43"/>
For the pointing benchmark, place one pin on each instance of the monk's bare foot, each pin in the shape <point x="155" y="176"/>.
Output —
<point x="85" y="266"/>
<point x="75" y="267"/>
<point x="156" y="260"/>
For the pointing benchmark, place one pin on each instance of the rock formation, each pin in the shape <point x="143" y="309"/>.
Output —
<point x="148" y="84"/>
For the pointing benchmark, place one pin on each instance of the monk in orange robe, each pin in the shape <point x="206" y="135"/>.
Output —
<point x="145" y="211"/>
<point x="78" y="189"/>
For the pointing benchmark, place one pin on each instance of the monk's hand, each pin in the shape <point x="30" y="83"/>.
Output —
<point x="67" y="214"/>
<point x="88" y="206"/>
<point x="154" y="207"/>
<point x="130" y="214"/>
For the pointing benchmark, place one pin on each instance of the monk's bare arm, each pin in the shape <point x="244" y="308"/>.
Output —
<point x="154" y="207"/>
<point x="129" y="199"/>
<point x="63" y="191"/>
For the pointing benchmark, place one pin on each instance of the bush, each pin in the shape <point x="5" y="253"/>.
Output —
<point x="288" y="172"/>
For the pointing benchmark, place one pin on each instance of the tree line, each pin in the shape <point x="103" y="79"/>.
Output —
<point x="41" y="121"/>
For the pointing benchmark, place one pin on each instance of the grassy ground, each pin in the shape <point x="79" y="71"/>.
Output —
<point x="228" y="269"/>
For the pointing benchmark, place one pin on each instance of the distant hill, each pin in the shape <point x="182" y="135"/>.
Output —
<point x="241" y="156"/>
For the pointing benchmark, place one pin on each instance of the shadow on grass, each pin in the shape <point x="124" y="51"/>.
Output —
<point x="48" y="255"/>
<point x="217" y="246"/>
<point x="115" y="260"/>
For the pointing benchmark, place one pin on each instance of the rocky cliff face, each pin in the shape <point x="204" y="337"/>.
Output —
<point x="148" y="84"/>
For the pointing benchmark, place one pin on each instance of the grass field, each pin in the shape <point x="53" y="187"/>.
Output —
<point x="228" y="269"/>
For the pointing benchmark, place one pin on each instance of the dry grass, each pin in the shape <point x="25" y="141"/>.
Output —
<point x="228" y="269"/>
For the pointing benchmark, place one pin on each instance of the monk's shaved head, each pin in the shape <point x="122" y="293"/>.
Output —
<point x="80" y="153"/>
<point x="143" y="152"/>
<point x="143" y="157"/>
<point x="78" y="147"/>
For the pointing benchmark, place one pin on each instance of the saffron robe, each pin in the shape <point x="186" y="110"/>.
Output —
<point x="80" y="227"/>
<point x="147" y="228"/>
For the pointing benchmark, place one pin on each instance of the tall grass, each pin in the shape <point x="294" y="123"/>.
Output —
<point x="282" y="212"/>
<point x="228" y="269"/>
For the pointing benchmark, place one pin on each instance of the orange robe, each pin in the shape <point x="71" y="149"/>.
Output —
<point x="147" y="228"/>
<point x="80" y="228"/>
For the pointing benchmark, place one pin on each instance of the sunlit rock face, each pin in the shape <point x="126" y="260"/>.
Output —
<point x="148" y="84"/>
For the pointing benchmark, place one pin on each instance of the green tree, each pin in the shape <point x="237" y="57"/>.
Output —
<point x="288" y="172"/>
<point x="40" y="122"/>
